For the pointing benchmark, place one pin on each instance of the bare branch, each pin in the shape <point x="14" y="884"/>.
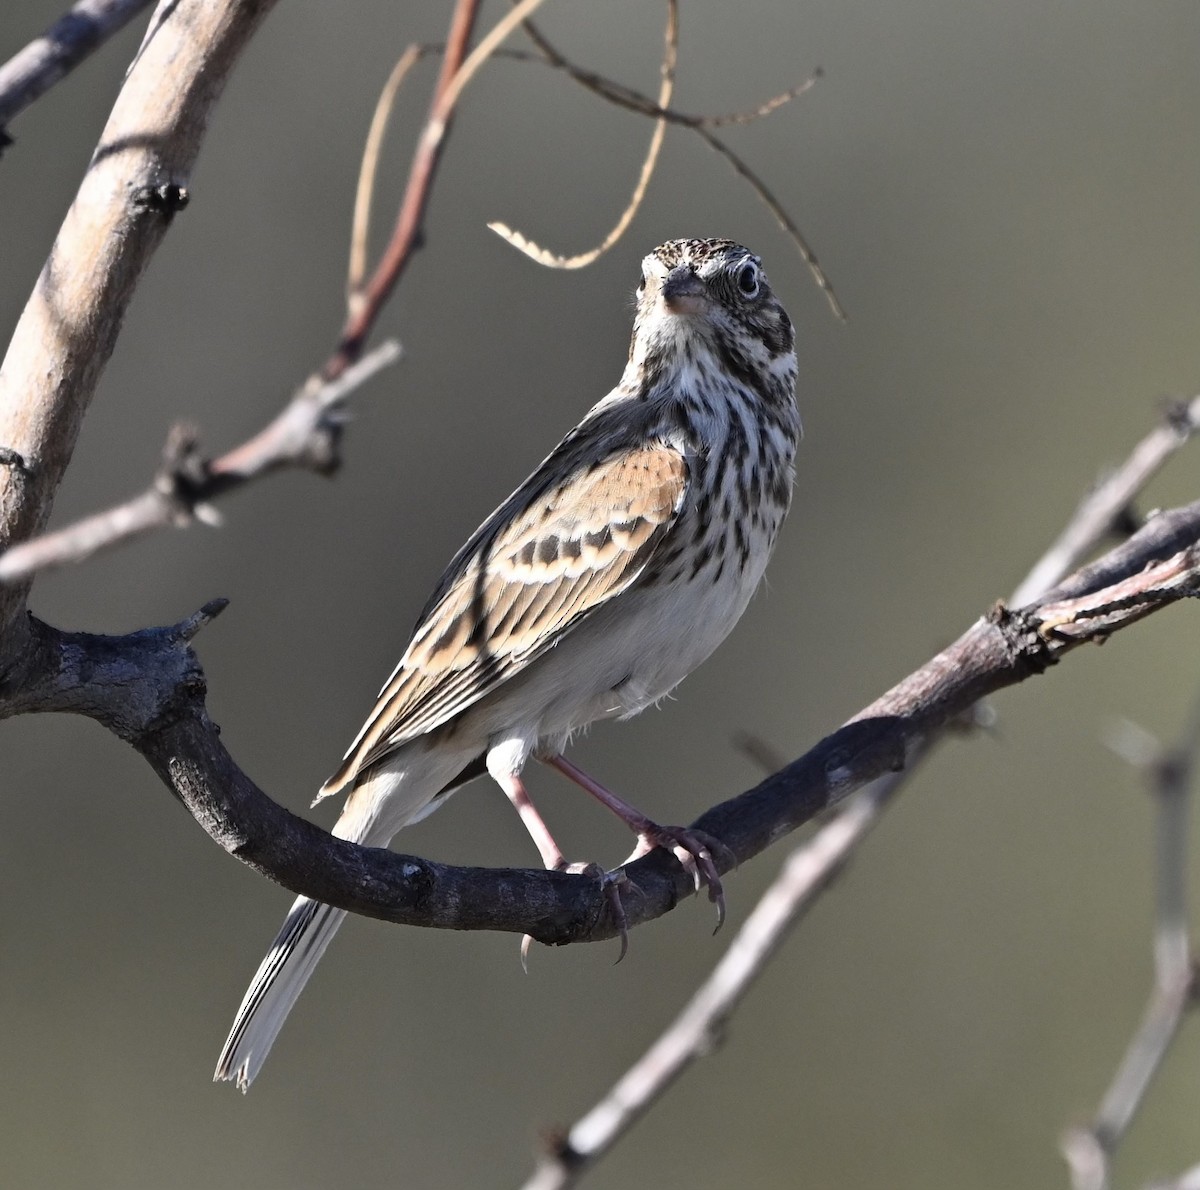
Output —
<point x="806" y="873"/>
<point x="552" y="260"/>
<point x="136" y="180"/>
<point x="697" y="1029"/>
<point x="1089" y="1149"/>
<point x="458" y="69"/>
<point x="372" y="151"/>
<point x="1102" y="508"/>
<point x="31" y="72"/>
<point x="304" y="434"/>
<point x="133" y="685"/>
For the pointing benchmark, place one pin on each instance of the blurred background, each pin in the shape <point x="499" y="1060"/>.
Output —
<point x="1005" y="197"/>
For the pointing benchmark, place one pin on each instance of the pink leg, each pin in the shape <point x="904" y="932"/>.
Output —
<point x="539" y="832"/>
<point x="553" y="858"/>
<point x="693" y="851"/>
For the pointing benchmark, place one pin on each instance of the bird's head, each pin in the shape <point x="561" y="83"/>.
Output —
<point x="697" y="294"/>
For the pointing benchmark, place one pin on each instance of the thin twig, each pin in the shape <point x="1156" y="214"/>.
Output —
<point x="304" y="434"/>
<point x="31" y="72"/>
<point x="1089" y="1150"/>
<point x="553" y="260"/>
<point x="806" y="873"/>
<point x="368" y="170"/>
<point x="1102" y="508"/>
<point x="458" y="68"/>
<point x="635" y="101"/>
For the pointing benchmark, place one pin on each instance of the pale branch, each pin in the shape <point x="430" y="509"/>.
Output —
<point x="1169" y="773"/>
<point x="135" y="182"/>
<point x="149" y="689"/>
<point x="307" y="431"/>
<point x="805" y="875"/>
<point x="306" y="434"/>
<point x="31" y="72"/>
<point x="698" y="1028"/>
<point x="1103" y="508"/>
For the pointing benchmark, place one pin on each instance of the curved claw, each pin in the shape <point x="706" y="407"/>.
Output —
<point x="611" y="884"/>
<point x="694" y="850"/>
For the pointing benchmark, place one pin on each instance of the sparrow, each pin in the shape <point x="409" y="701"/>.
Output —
<point x="613" y="571"/>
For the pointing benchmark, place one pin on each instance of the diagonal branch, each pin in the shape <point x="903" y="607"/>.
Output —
<point x="31" y="72"/>
<point x="1089" y="1150"/>
<point x="304" y="435"/>
<point x="811" y="867"/>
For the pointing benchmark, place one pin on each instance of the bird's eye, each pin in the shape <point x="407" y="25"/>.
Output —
<point x="641" y="286"/>
<point x="748" y="280"/>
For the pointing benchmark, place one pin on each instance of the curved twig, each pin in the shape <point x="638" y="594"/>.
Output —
<point x="544" y="256"/>
<point x="635" y="101"/>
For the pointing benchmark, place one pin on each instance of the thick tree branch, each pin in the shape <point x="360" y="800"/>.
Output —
<point x="31" y="72"/>
<point x="148" y="689"/>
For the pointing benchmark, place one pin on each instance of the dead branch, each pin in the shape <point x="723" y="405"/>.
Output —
<point x="635" y="101"/>
<point x="808" y="871"/>
<point x="304" y="435"/>
<point x="1169" y="772"/>
<point x="31" y="72"/>
<point x="581" y="260"/>
<point x="149" y="689"/>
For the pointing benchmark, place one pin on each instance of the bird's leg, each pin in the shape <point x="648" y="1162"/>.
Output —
<point x="693" y="850"/>
<point x="535" y="824"/>
<point x="555" y="861"/>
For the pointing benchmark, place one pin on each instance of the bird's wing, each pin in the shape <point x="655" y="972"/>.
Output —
<point x="543" y="562"/>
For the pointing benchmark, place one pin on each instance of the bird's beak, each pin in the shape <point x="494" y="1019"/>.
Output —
<point x="683" y="292"/>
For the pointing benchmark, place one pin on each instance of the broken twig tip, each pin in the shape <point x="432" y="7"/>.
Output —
<point x="197" y="620"/>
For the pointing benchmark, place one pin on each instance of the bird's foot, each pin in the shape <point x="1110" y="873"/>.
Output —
<point x="611" y="884"/>
<point x="697" y="852"/>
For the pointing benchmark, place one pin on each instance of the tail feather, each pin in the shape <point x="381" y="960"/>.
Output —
<point x="388" y="798"/>
<point x="277" y="983"/>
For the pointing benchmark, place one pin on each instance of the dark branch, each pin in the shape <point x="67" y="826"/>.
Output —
<point x="149" y="689"/>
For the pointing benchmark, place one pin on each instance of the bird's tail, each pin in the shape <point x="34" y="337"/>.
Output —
<point x="280" y="978"/>
<point x="376" y="809"/>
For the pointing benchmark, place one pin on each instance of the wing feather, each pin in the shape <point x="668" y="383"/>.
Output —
<point x="543" y="562"/>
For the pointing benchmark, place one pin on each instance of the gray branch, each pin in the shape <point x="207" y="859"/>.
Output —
<point x="305" y="434"/>
<point x="31" y="72"/>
